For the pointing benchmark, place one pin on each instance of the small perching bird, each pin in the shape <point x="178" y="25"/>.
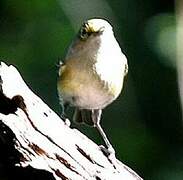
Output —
<point x="92" y="74"/>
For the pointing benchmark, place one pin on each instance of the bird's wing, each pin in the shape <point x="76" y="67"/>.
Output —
<point x="62" y="67"/>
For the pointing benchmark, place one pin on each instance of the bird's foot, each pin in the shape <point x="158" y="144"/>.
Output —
<point x="66" y="120"/>
<point x="107" y="151"/>
<point x="110" y="154"/>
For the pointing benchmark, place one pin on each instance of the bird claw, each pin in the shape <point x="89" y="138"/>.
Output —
<point x="107" y="151"/>
<point x="110" y="154"/>
<point x="67" y="122"/>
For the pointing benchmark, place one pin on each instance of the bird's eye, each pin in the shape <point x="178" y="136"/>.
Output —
<point x="84" y="33"/>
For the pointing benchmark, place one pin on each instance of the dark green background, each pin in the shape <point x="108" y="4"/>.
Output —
<point x="144" y="124"/>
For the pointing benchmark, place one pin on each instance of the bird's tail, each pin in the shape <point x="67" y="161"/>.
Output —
<point x="83" y="116"/>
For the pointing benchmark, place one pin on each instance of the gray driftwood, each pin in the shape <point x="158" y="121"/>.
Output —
<point x="46" y="142"/>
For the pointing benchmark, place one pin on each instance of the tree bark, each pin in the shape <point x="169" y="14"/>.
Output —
<point x="44" y="141"/>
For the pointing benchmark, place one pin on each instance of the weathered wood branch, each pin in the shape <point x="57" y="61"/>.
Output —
<point x="46" y="142"/>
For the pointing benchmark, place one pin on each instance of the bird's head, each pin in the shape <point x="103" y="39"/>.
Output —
<point x="94" y="27"/>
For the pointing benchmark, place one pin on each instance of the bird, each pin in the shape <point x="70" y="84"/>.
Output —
<point x="92" y="73"/>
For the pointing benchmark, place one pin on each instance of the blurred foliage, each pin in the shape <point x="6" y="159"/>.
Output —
<point x="144" y="124"/>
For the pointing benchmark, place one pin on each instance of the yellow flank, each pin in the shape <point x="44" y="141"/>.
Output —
<point x="65" y="81"/>
<point x="75" y="80"/>
<point x="72" y="80"/>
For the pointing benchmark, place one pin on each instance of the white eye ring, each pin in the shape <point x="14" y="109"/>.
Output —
<point x="83" y="33"/>
<point x="101" y="30"/>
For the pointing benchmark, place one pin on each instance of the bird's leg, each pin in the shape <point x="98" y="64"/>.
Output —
<point x="96" y="116"/>
<point x="63" y="115"/>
